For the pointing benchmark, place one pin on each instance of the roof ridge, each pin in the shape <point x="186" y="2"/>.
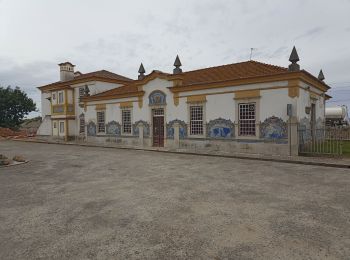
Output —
<point x="237" y="63"/>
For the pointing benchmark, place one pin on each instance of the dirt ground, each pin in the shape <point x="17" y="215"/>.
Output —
<point x="73" y="202"/>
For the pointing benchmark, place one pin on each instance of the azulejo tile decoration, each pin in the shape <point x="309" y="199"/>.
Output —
<point x="146" y="128"/>
<point x="113" y="128"/>
<point x="91" y="129"/>
<point x="273" y="128"/>
<point x="182" y="129"/>
<point x="220" y="128"/>
<point x="157" y="97"/>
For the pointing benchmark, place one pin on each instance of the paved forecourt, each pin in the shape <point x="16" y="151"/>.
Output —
<point x="90" y="202"/>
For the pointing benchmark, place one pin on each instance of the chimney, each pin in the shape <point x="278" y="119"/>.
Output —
<point x="177" y="65"/>
<point x="142" y="72"/>
<point x="66" y="71"/>
<point x="294" y="58"/>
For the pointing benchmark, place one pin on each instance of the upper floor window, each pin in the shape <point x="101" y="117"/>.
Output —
<point x="101" y="127"/>
<point x="60" y="98"/>
<point x="126" y="121"/>
<point x="81" y="91"/>
<point x="196" y="120"/>
<point x="247" y="117"/>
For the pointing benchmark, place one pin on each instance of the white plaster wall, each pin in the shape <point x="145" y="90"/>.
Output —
<point x="113" y="113"/>
<point x="72" y="128"/>
<point x="70" y="96"/>
<point x="171" y="112"/>
<point x="45" y="126"/>
<point x="45" y="105"/>
<point x="222" y="105"/>
<point x="274" y="102"/>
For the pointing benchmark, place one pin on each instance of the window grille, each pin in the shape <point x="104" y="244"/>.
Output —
<point x="81" y="91"/>
<point x="126" y="121"/>
<point x="82" y="124"/>
<point x="158" y="112"/>
<point x="101" y="121"/>
<point x="196" y="120"/>
<point x="247" y="113"/>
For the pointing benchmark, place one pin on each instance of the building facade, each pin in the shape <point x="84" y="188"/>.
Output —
<point x="247" y="107"/>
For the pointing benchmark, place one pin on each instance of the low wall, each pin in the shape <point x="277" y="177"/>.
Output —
<point x="199" y="145"/>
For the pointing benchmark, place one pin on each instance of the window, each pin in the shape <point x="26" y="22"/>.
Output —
<point x="61" y="127"/>
<point x="54" y="96"/>
<point x="126" y="121"/>
<point x="54" y="125"/>
<point x="82" y="124"/>
<point x="101" y="121"/>
<point x="60" y="98"/>
<point x="196" y="120"/>
<point x="81" y="91"/>
<point x="247" y="112"/>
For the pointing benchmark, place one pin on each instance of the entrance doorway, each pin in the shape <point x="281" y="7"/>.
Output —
<point x="158" y="127"/>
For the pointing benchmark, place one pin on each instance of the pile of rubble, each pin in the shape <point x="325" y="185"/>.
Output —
<point x="8" y="133"/>
<point x="6" y="161"/>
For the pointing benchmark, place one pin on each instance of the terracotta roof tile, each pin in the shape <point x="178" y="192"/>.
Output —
<point x="126" y="89"/>
<point x="102" y="74"/>
<point x="240" y="70"/>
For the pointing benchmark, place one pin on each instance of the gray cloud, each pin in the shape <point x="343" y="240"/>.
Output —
<point x="311" y="32"/>
<point x="117" y="36"/>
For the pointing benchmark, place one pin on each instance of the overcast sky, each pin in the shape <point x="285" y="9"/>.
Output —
<point x="116" y="35"/>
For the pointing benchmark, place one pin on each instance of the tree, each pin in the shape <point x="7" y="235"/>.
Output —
<point x="14" y="105"/>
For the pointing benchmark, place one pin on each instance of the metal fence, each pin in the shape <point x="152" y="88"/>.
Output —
<point x="322" y="141"/>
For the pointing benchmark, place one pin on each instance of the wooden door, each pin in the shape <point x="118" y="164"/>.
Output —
<point x="158" y="127"/>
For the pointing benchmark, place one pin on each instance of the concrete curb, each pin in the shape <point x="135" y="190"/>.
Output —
<point x="305" y="161"/>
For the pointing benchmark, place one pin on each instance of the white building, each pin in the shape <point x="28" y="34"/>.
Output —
<point x="243" y="107"/>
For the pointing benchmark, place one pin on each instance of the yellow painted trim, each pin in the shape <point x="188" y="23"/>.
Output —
<point x="66" y="130"/>
<point x="126" y="104"/>
<point x="247" y="94"/>
<point x="301" y="75"/>
<point x="100" y="107"/>
<point x="140" y="102"/>
<point x="293" y="88"/>
<point x="313" y="96"/>
<point x="196" y="98"/>
<point x="176" y="99"/>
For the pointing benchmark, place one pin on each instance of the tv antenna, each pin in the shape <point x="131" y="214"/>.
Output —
<point x="251" y="53"/>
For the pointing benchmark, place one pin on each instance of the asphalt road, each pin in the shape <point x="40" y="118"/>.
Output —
<point x="72" y="202"/>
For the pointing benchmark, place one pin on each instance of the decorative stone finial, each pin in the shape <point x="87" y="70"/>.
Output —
<point x="86" y="91"/>
<point x="141" y="71"/>
<point x="177" y="65"/>
<point x="321" y="76"/>
<point x="294" y="58"/>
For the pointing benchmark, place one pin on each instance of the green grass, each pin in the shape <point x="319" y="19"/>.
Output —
<point x="346" y="148"/>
